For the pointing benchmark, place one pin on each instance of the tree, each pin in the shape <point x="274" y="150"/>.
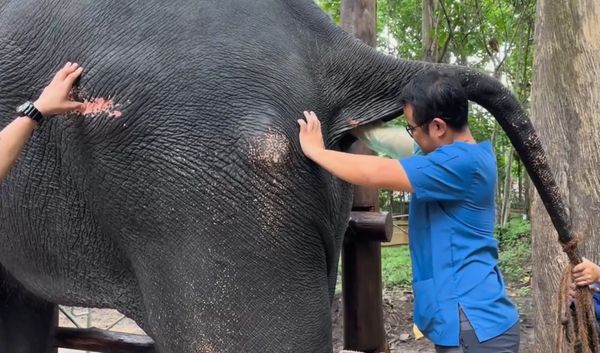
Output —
<point x="430" y="47"/>
<point x="565" y="106"/>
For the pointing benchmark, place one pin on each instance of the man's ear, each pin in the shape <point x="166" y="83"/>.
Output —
<point x="440" y="127"/>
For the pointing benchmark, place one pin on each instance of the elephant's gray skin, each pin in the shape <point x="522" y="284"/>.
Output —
<point x="195" y="213"/>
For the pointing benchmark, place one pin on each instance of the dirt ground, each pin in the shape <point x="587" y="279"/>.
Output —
<point x="398" y="323"/>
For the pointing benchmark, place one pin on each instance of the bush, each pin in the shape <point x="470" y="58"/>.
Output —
<point x="516" y="231"/>
<point x="515" y="252"/>
<point x="396" y="266"/>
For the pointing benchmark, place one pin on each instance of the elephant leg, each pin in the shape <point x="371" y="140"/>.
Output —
<point x="26" y="321"/>
<point x="192" y="313"/>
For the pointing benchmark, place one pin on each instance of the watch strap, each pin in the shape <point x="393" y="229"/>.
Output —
<point x="32" y="112"/>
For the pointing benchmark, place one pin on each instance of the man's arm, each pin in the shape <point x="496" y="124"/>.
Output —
<point x="362" y="170"/>
<point x="53" y="100"/>
<point x="12" y="139"/>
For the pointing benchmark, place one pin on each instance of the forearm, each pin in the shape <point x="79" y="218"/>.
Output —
<point x="12" y="139"/>
<point x="371" y="171"/>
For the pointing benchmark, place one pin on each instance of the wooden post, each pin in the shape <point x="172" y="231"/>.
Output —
<point x="361" y="257"/>
<point x="361" y="279"/>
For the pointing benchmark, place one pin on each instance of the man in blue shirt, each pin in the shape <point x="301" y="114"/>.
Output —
<point x="460" y="300"/>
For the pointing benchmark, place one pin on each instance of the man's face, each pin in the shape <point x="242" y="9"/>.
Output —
<point x="428" y="136"/>
<point x="418" y="133"/>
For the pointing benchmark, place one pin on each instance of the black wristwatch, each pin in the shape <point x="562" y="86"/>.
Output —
<point x="28" y="109"/>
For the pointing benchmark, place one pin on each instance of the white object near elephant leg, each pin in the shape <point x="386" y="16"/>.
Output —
<point x="394" y="141"/>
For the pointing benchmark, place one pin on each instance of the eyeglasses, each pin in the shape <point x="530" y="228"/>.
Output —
<point x="411" y="129"/>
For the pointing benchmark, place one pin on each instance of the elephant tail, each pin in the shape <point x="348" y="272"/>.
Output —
<point x="506" y="109"/>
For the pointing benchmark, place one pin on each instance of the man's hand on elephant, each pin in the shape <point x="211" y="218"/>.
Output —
<point x="55" y="97"/>
<point x="311" y="137"/>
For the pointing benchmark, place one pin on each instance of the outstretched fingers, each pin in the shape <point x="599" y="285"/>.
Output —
<point x="64" y="71"/>
<point x="72" y="76"/>
<point x="312" y="122"/>
<point x="302" y="124"/>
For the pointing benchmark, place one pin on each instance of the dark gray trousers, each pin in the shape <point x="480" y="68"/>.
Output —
<point x="508" y="342"/>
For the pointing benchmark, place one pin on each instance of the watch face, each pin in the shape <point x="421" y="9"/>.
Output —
<point x="22" y="107"/>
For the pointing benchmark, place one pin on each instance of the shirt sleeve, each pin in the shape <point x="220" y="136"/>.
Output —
<point x="440" y="176"/>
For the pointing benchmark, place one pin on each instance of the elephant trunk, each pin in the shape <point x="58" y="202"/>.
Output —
<point x="365" y="86"/>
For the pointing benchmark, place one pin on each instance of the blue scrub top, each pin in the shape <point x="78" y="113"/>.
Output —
<point x="597" y="303"/>
<point x="453" y="250"/>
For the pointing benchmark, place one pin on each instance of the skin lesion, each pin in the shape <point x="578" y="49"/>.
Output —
<point x="269" y="149"/>
<point x="95" y="106"/>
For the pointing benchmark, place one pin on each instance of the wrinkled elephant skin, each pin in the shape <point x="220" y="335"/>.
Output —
<point x="181" y="197"/>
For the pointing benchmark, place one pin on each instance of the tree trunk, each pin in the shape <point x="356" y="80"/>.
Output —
<point x="520" y="183"/>
<point x="359" y="17"/>
<point x="498" y="186"/>
<point x="495" y="132"/>
<point x="566" y="102"/>
<point x="507" y="188"/>
<point x="527" y="195"/>
<point x="428" y="25"/>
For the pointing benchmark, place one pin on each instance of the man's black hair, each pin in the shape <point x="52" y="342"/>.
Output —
<point x="435" y="94"/>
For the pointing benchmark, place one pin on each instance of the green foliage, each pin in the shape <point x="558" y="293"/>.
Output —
<point x="515" y="252"/>
<point x="331" y="7"/>
<point x="516" y="231"/>
<point x="396" y="266"/>
<point x="399" y="28"/>
<point x="480" y="125"/>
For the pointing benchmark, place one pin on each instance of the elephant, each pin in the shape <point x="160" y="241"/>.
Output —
<point x="185" y="201"/>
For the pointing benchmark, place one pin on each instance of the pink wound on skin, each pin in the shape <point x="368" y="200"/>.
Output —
<point x="354" y="122"/>
<point x="100" y="105"/>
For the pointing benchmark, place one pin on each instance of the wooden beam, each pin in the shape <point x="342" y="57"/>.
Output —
<point x="93" y="339"/>
<point x="370" y="226"/>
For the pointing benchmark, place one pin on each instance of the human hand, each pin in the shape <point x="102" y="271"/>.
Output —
<point x="586" y="273"/>
<point x="54" y="98"/>
<point x="311" y="137"/>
